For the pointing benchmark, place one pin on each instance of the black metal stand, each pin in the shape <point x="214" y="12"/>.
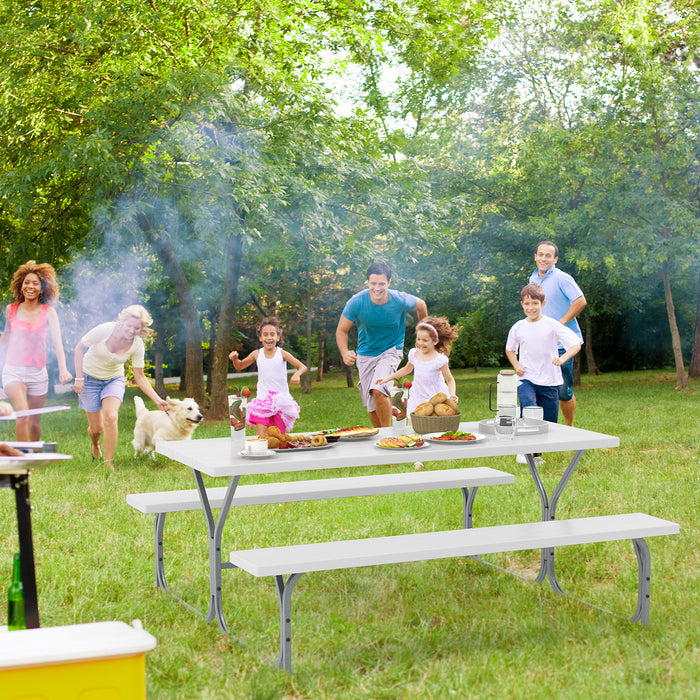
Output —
<point x="20" y="484"/>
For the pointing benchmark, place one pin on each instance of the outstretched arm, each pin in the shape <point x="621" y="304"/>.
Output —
<point x="421" y="309"/>
<point x="450" y="380"/>
<point x="406" y="369"/>
<point x="301" y="367"/>
<point x="242" y="364"/>
<point x="342" y="333"/>
<point x="64" y="375"/>
<point x="145" y="385"/>
<point x="570" y="352"/>
<point x="513" y="359"/>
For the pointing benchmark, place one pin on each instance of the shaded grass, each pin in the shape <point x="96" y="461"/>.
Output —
<point x="451" y="628"/>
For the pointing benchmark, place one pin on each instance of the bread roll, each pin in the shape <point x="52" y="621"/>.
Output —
<point x="442" y="409"/>
<point x="453" y="405"/>
<point x="424" y="409"/>
<point x="438" y="398"/>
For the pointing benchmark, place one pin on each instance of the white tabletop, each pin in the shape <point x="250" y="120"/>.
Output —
<point x="221" y="457"/>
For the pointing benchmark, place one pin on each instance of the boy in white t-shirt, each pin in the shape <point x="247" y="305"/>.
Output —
<point x="532" y="349"/>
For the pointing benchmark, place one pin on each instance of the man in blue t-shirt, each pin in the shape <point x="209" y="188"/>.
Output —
<point x="565" y="301"/>
<point x="380" y="316"/>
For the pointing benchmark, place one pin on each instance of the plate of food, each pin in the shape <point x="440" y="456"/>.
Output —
<point x="402" y="442"/>
<point x="355" y="432"/>
<point x="299" y="442"/>
<point x="455" y="437"/>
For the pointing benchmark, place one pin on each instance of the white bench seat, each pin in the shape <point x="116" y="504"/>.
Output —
<point x="162" y="502"/>
<point x="294" y="560"/>
<point x="309" y="490"/>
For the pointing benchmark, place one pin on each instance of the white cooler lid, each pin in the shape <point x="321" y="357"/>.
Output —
<point x="72" y="643"/>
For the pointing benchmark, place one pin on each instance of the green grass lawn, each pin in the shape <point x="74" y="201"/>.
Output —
<point x="441" y="629"/>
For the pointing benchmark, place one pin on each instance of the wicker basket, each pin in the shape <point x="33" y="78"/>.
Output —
<point x="435" y="424"/>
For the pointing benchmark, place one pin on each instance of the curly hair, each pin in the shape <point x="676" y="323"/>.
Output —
<point x="139" y="313"/>
<point x="440" y="326"/>
<point x="47" y="277"/>
<point x="270" y="321"/>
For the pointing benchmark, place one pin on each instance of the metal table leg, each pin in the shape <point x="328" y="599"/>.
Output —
<point x="215" y="529"/>
<point x="548" y="513"/>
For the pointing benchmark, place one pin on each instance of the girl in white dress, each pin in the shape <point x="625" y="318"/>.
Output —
<point x="273" y="404"/>
<point x="428" y="362"/>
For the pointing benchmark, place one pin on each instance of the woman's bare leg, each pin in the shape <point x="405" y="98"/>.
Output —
<point x="110" y="418"/>
<point x="35" y="421"/>
<point x="17" y="393"/>
<point x="95" y="429"/>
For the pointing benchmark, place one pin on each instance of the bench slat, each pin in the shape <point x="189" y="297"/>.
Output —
<point x="309" y="490"/>
<point x="321" y="556"/>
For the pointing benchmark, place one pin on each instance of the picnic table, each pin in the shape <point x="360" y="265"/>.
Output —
<point x="221" y="458"/>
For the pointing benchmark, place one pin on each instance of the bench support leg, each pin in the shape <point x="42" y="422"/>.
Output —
<point x="468" y="496"/>
<point x="284" y="594"/>
<point x="215" y="528"/>
<point x="641" y="614"/>
<point x="160" y="567"/>
<point x="549" y="507"/>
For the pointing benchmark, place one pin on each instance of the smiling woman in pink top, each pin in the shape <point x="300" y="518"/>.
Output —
<point x="28" y="322"/>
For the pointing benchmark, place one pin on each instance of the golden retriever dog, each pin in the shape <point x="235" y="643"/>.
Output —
<point x="177" y="423"/>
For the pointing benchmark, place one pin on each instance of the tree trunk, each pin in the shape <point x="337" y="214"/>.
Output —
<point x="159" y="352"/>
<point x="577" y="369"/>
<point x="675" y="335"/>
<point x="321" y="359"/>
<point x="194" y="362"/>
<point x="588" y="345"/>
<point x="224" y="329"/>
<point x="694" y="369"/>
<point x="210" y="355"/>
<point x="348" y="376"/>
<point x="306" y="379"/>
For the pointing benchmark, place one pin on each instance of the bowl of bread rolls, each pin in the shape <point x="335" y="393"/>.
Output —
<point x="440" y="414"/>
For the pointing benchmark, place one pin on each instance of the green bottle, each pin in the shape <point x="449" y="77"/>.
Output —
<point x="15" y="599"/>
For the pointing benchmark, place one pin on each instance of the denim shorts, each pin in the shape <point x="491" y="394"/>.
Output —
<point x="94" y="390"/>
<point x="566" y="389"/>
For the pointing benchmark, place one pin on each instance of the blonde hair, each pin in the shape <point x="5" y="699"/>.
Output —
<point x="47" y="277"/>
<point x="439" y="327"/>
<point x="139" y="312"/>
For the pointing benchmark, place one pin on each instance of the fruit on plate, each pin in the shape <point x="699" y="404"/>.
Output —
<point x="402" y="441"/>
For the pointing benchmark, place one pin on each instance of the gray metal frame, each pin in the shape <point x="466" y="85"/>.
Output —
<point x="215" y="528"/>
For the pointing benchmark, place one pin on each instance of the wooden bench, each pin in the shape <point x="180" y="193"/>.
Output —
<point x="295" y="560"/>
<point x="161" y="503"/>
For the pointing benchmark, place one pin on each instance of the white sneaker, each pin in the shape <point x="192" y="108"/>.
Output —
<point x="520" y="459"/>
<point x="539" y="460"/>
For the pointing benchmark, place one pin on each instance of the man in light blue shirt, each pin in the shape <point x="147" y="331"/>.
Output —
<point x="380" y="316"/>
<point x="565" y="301"/>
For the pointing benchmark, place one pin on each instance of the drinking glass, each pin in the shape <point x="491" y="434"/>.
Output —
<point x="504" y="427"/>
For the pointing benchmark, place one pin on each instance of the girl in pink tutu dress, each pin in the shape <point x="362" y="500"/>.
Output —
<point x="273" y="404"/>
<point x="428" y="362"/>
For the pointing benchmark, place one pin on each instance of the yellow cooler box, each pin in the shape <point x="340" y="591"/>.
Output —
<point x="96" y="661"/>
